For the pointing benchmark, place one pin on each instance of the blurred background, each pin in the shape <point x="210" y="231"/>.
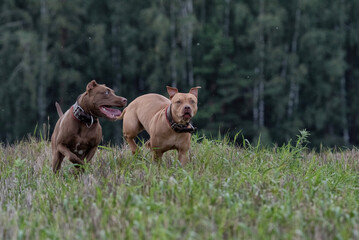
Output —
<point x="266" y="67"/>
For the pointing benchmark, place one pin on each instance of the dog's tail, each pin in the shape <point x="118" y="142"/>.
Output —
<point x="122" y="114"/>
<point x="59" y="110"/>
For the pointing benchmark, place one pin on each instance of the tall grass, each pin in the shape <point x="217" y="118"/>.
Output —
<point x="225" y="192"/>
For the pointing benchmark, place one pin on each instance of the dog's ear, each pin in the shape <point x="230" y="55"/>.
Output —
<point x="194" y="91"/>
<point x="171" y="91"/>
<point x="91" y="85"/>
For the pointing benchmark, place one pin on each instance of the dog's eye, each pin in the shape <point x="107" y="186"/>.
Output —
<point x="178" y="102"/>
<point x="107" y="92"/>
<point x="192" y="101"/>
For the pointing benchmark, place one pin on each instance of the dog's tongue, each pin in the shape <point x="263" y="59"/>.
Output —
<point x="110" y="112"/>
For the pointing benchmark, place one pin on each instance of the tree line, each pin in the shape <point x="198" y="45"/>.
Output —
<point x="266" y="68"/>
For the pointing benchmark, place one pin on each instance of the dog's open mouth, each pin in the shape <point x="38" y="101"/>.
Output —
<point x="110" y="112"/>
<point x="187" y="116"/>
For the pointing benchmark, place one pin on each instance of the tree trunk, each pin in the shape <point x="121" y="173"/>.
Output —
<point x="293" y="98"/>
<point x="255" y="103"/>
<point x="189" y="37"/>
<point x="115" y="58"/>
<point x="284" y="71"/>
<point x="41" y="94"/>
<point x="261" y="71"/>
<point x="186" y="31"/>
<point x="258" y="90"/>
<point x="261" y="103"/>
<point x="116" y="63"/>
<point x="203" y="11"/>
<point x="343" y="92"/>
<point x="173" y="57"/>
<point x="227" y="9"/>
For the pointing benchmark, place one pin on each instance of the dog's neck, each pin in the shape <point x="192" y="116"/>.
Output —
<point x="83" y="116"/>
<point x="177" y="127"/>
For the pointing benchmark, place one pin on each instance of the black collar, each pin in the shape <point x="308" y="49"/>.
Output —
<point x="83" y="116"/>
<point x="179" y="128"/>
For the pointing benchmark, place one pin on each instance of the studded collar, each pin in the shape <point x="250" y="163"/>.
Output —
<point x="83" y="116"/>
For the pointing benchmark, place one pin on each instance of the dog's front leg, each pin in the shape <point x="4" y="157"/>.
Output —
<point x="57" y="158"/>
<point x="89" y="155"/>
<point x="67" y="153"/>
<point x="183" y="156"/>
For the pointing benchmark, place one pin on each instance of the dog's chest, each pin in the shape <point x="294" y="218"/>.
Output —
<point x="80" y="147"/>
<point x="86" y="139"/>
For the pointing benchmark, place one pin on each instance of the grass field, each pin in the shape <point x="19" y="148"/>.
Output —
<point x="225" y="192"/>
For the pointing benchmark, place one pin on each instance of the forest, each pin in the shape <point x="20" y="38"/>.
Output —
<point x="267" y="68"/>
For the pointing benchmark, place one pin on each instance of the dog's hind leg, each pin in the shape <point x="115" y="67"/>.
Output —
<point x="131" y="127"/>
<point x="132" y="143"/>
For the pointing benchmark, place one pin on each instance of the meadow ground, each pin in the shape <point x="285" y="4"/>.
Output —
<point x="225" y="192"/>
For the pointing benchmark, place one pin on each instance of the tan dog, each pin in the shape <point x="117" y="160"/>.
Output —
<point x="167" y="121"/>
<point x="78" y="132"/>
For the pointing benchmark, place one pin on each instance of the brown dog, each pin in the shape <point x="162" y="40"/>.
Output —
<point x="78" y="132"/>
<point x="167" y="121"/>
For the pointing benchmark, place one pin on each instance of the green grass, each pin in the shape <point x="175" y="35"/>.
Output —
<point x="225" y="192"/>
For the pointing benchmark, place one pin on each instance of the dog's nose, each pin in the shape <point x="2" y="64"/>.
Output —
<point x="187" y="108"/>
<point x="124" y="100"/>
